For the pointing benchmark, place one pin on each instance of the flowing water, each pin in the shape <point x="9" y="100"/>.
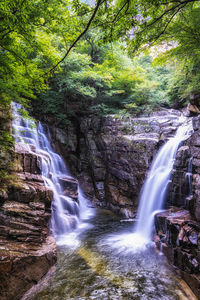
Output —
<point x="155" y="186"/>
<point x="153" y="193"/>
<point x="94" y="270"/>
<point x="88" y="267"/>
<point x="67" y="214"/>
<point x="189" y="176"/>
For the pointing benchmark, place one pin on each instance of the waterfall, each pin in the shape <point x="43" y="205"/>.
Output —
<point x="155" y="187"/>
<point x="152" y="195"/>
<point x="67" y="214"/>
<point x="188" y="176"/>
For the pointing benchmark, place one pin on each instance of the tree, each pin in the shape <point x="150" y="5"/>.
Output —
<point x="34" y="36"/>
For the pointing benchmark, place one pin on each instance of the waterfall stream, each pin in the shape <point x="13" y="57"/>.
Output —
<point x="89" y="268"/>
<point x="67" y="214"/>
<point x="153" y="193"/>
<point x="189" y="176"/>
<point x="155" y="186"/>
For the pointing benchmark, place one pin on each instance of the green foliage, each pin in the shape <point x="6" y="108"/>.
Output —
<point x="6" y="149"/>
<point x="185" y="54"/>
<point x="105" y="86"/>
<point x="34" y="36"/>
<point x="100" y="75"/>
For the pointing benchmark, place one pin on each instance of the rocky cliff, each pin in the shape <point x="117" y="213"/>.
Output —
<point x="26" y="249"/>
<point x="178" y="237"/>
<point x="111" y="155"/>
<point x="178" y="228"/>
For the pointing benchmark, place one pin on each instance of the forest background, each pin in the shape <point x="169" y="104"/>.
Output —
<point x="65" y="58"/>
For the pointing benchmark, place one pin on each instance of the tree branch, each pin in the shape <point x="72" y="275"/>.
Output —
<point x="5" y="34"/>
<point x="180" y="5"/>
<point x="163" y="31"/>
<point x="99" y="2"/>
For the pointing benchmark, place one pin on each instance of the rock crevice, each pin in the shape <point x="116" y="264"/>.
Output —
<point x="27" y="250"/>
<point x="112" y="156"/>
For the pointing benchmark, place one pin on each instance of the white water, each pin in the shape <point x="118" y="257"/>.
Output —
<point x="67" y="214"/>
<point x="155" y="187"/>
<point x="153" y="194"/>
<point x="189" y="176"/>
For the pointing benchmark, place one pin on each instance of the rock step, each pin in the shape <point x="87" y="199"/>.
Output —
<point x="27" y="161"/>
<point x="23" y="235"/>
<point x="69" y="186"/>
<point x="21" y="209"/>
<point x="178" y="236"/>
<point x="24" y="264"/>
<point x="9" y="231"/>
<point x="18" y="223"/>
<point x="31" y="192"/>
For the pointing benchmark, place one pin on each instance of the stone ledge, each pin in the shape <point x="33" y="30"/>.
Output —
<point x="178" y="237"/>
<point x="22" y="265"/>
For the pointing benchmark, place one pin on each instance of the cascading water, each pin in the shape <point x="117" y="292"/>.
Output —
<point x="66" y="212"/>
<point x="188" y="176"/>
<point x="155" y="187"/>
<point x="153" y="193"/>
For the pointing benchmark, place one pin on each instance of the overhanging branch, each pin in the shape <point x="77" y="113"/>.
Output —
<point x="99" y="2"/>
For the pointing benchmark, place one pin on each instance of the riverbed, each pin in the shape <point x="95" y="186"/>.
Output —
<point x="91" y="267"/>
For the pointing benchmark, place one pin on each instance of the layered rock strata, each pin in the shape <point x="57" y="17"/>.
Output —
<point x="178" y="237"/>
<point x="26" y="249"/>
<point x="178" y="228"/>
<point x="112" y="155"/>
<point x="184" y="190"/>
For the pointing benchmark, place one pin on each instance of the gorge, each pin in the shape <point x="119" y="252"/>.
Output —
<point x="99" y="149"/>
<point x="95" y="230"/>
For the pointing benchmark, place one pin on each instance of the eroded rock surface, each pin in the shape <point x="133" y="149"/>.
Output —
<point x="112" y="155"/>
<point x="180" y="194"/>
<point x="26" y="249"/>
<point x="178" y="237"/>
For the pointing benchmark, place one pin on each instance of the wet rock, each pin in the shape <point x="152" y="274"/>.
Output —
<point x="26" y="161"/>
<point x="22" y="265"/>
<point x="192" y="109"/>
<point x="193" y="238"/>
<point x="26" y="250"/>
<point x="178" y="237"/>
<point x="69" y="186"/>
<point x="184" y="188"/>
<point x="117" y="153"/>
<point x="196" y="123"/>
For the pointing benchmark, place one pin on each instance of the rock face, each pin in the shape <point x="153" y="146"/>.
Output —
<point x="70" y="187"/>
<point x="182" y="182"/>
<point x="26" y="249"/>
<point x="112" y="155"/>
<point x="6" y="145"/>
<point x="178" y="237"/>
<point x="178" y="229"/>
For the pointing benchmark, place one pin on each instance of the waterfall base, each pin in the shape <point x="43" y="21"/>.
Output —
<point x="97" y="271"/>
<point x="128" y="243"/>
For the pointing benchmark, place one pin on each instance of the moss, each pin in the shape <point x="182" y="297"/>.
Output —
<point x="7" y="146"/>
